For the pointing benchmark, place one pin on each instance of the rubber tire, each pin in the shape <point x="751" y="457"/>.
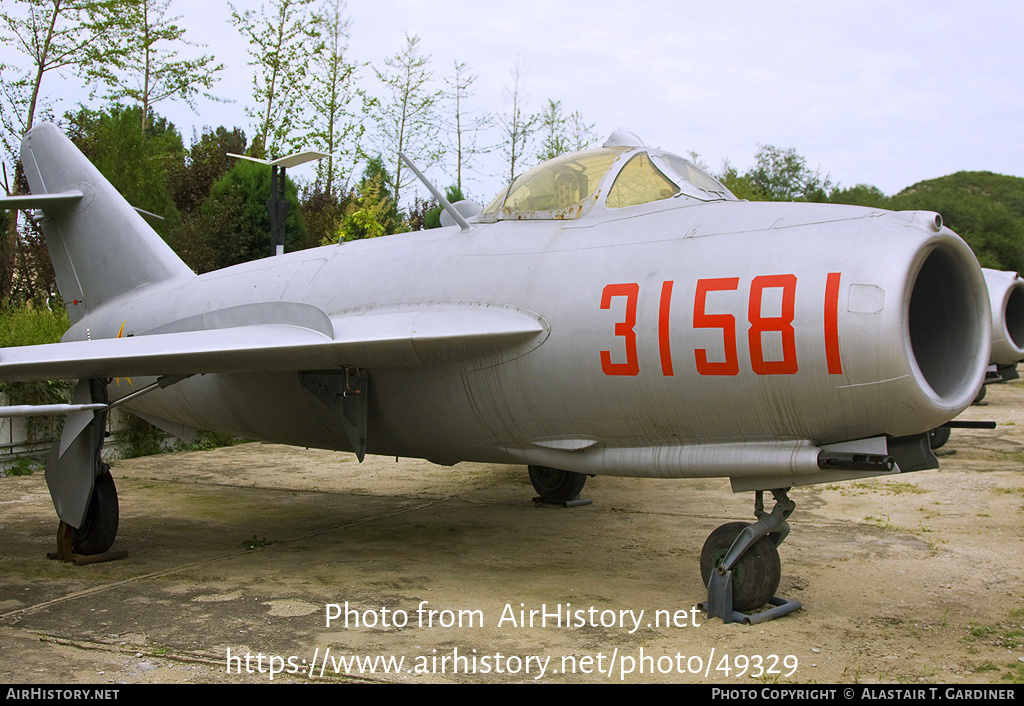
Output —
<point x="554" y="485"/>
<point x="99" y="529"/>
<point x="981" y="394"/>
<point x="756" y="575"/>
<point x="938" y="437"/>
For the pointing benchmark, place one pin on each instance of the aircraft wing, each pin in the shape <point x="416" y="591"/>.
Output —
<point x="391" y="339"/>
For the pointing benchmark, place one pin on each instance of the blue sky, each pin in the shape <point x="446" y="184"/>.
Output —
<point x="886" y="93"/>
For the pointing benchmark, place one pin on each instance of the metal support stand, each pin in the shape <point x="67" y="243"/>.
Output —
<point x="719" y="603"/>
<point x="278" y="206"/>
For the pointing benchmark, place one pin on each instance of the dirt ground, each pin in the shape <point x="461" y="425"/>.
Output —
<point x="237" y="555"/>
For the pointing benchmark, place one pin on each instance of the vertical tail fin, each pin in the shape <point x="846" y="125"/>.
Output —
<point x="100" y="246"/>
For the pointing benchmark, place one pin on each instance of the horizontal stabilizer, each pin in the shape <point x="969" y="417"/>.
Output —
<point x="369" y="340"/>
<point x="43" y="410"/>
<point x="43" y="201"/>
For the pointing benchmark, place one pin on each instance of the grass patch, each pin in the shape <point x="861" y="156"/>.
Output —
<point x="1014" y="674"/>
<point x="1009" y="637"/>
<point x="876" y="486"/>
<point x="881" y="523"/>
<point x="897" y="488"/>
<point x="23" y="467"/>
<point x="209" y="440"/>
<point x="30" y="327"/>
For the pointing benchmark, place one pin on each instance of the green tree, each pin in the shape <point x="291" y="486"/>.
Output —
<point x="783" y="175"/>
<point x="281" y="44"/>
<point x="372" y="211"/>
<point x="191" y="181"/>
<point x="580" y="132"/>
<point x="337" y="106"/>
<point x="407" y="121"/>
<point x="416" y="216"/>
<point x="235" y="221"/>
<point x="207" y="161"/>
<point x="151" y="70"/>
<point x="138" y="165"/>
<point x="432" y="218"/>
<point x="7" y="257"/>
<point x="986" y="209"/>
<point x="462" y="124"/>
<point x="322" y="213"/>
<point x="82" y="37"/>
<point x="552" y="126"/>
<point x="516" y="125"/>
<point x="55" y="36"/>
<point x="860" y="195"/>
<point x="739" y="184"/>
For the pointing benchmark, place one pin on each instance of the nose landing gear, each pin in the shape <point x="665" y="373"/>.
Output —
<point x="741" y="568"/>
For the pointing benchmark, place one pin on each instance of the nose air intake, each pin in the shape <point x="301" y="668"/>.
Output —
<point x="946" y="319"/>
<point x="1015" y="317"/>
<point x="1006" y="295"/>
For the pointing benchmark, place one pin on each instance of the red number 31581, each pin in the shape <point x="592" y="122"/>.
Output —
<point x="759" y="324"/>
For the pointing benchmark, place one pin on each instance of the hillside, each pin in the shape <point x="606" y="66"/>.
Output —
<point x="986" y="209"/>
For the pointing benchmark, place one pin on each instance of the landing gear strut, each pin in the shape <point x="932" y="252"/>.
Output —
<point x="80" y="483"/>
<point x="741" y="568"/>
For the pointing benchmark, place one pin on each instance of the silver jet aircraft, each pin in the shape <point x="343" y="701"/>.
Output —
<point x="1006" y="293"/>
<point x="615" y="311"/>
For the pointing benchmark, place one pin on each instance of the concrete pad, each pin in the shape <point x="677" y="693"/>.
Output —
<point x="237" y="555"/>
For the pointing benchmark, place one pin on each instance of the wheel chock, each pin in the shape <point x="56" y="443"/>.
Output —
<point x="65" y="553"/>
<point x="578" y="502"/>
<point x="719" y="603"/>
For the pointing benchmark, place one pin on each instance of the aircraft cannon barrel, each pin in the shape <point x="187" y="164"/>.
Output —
<point x="876" y="463"/>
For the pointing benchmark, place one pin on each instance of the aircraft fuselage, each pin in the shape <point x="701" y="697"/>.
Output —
<point x="724" y="323"/>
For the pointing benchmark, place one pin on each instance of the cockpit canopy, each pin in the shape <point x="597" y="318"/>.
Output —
<point x="613" y="176"/>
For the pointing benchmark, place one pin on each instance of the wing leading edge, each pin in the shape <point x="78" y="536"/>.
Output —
<point x="367" y="340"/>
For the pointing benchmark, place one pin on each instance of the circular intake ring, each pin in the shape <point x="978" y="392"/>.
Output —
<point x="1006" y="294"/>
<point x="947" y="313"/>
<point x="1014" y="315"/>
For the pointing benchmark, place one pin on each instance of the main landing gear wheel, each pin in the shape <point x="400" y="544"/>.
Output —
<point x="99" y="529"/>
<point x="756" y="574"/>
<point x="556" y="486"/>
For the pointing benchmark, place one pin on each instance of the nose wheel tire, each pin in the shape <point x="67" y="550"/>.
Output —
<point x="99" y="529"/>
<point x="554" y="485"/>
<point x="756" y="574"/>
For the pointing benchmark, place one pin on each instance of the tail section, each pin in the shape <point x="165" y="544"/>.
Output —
<point x="100" y="246"/>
